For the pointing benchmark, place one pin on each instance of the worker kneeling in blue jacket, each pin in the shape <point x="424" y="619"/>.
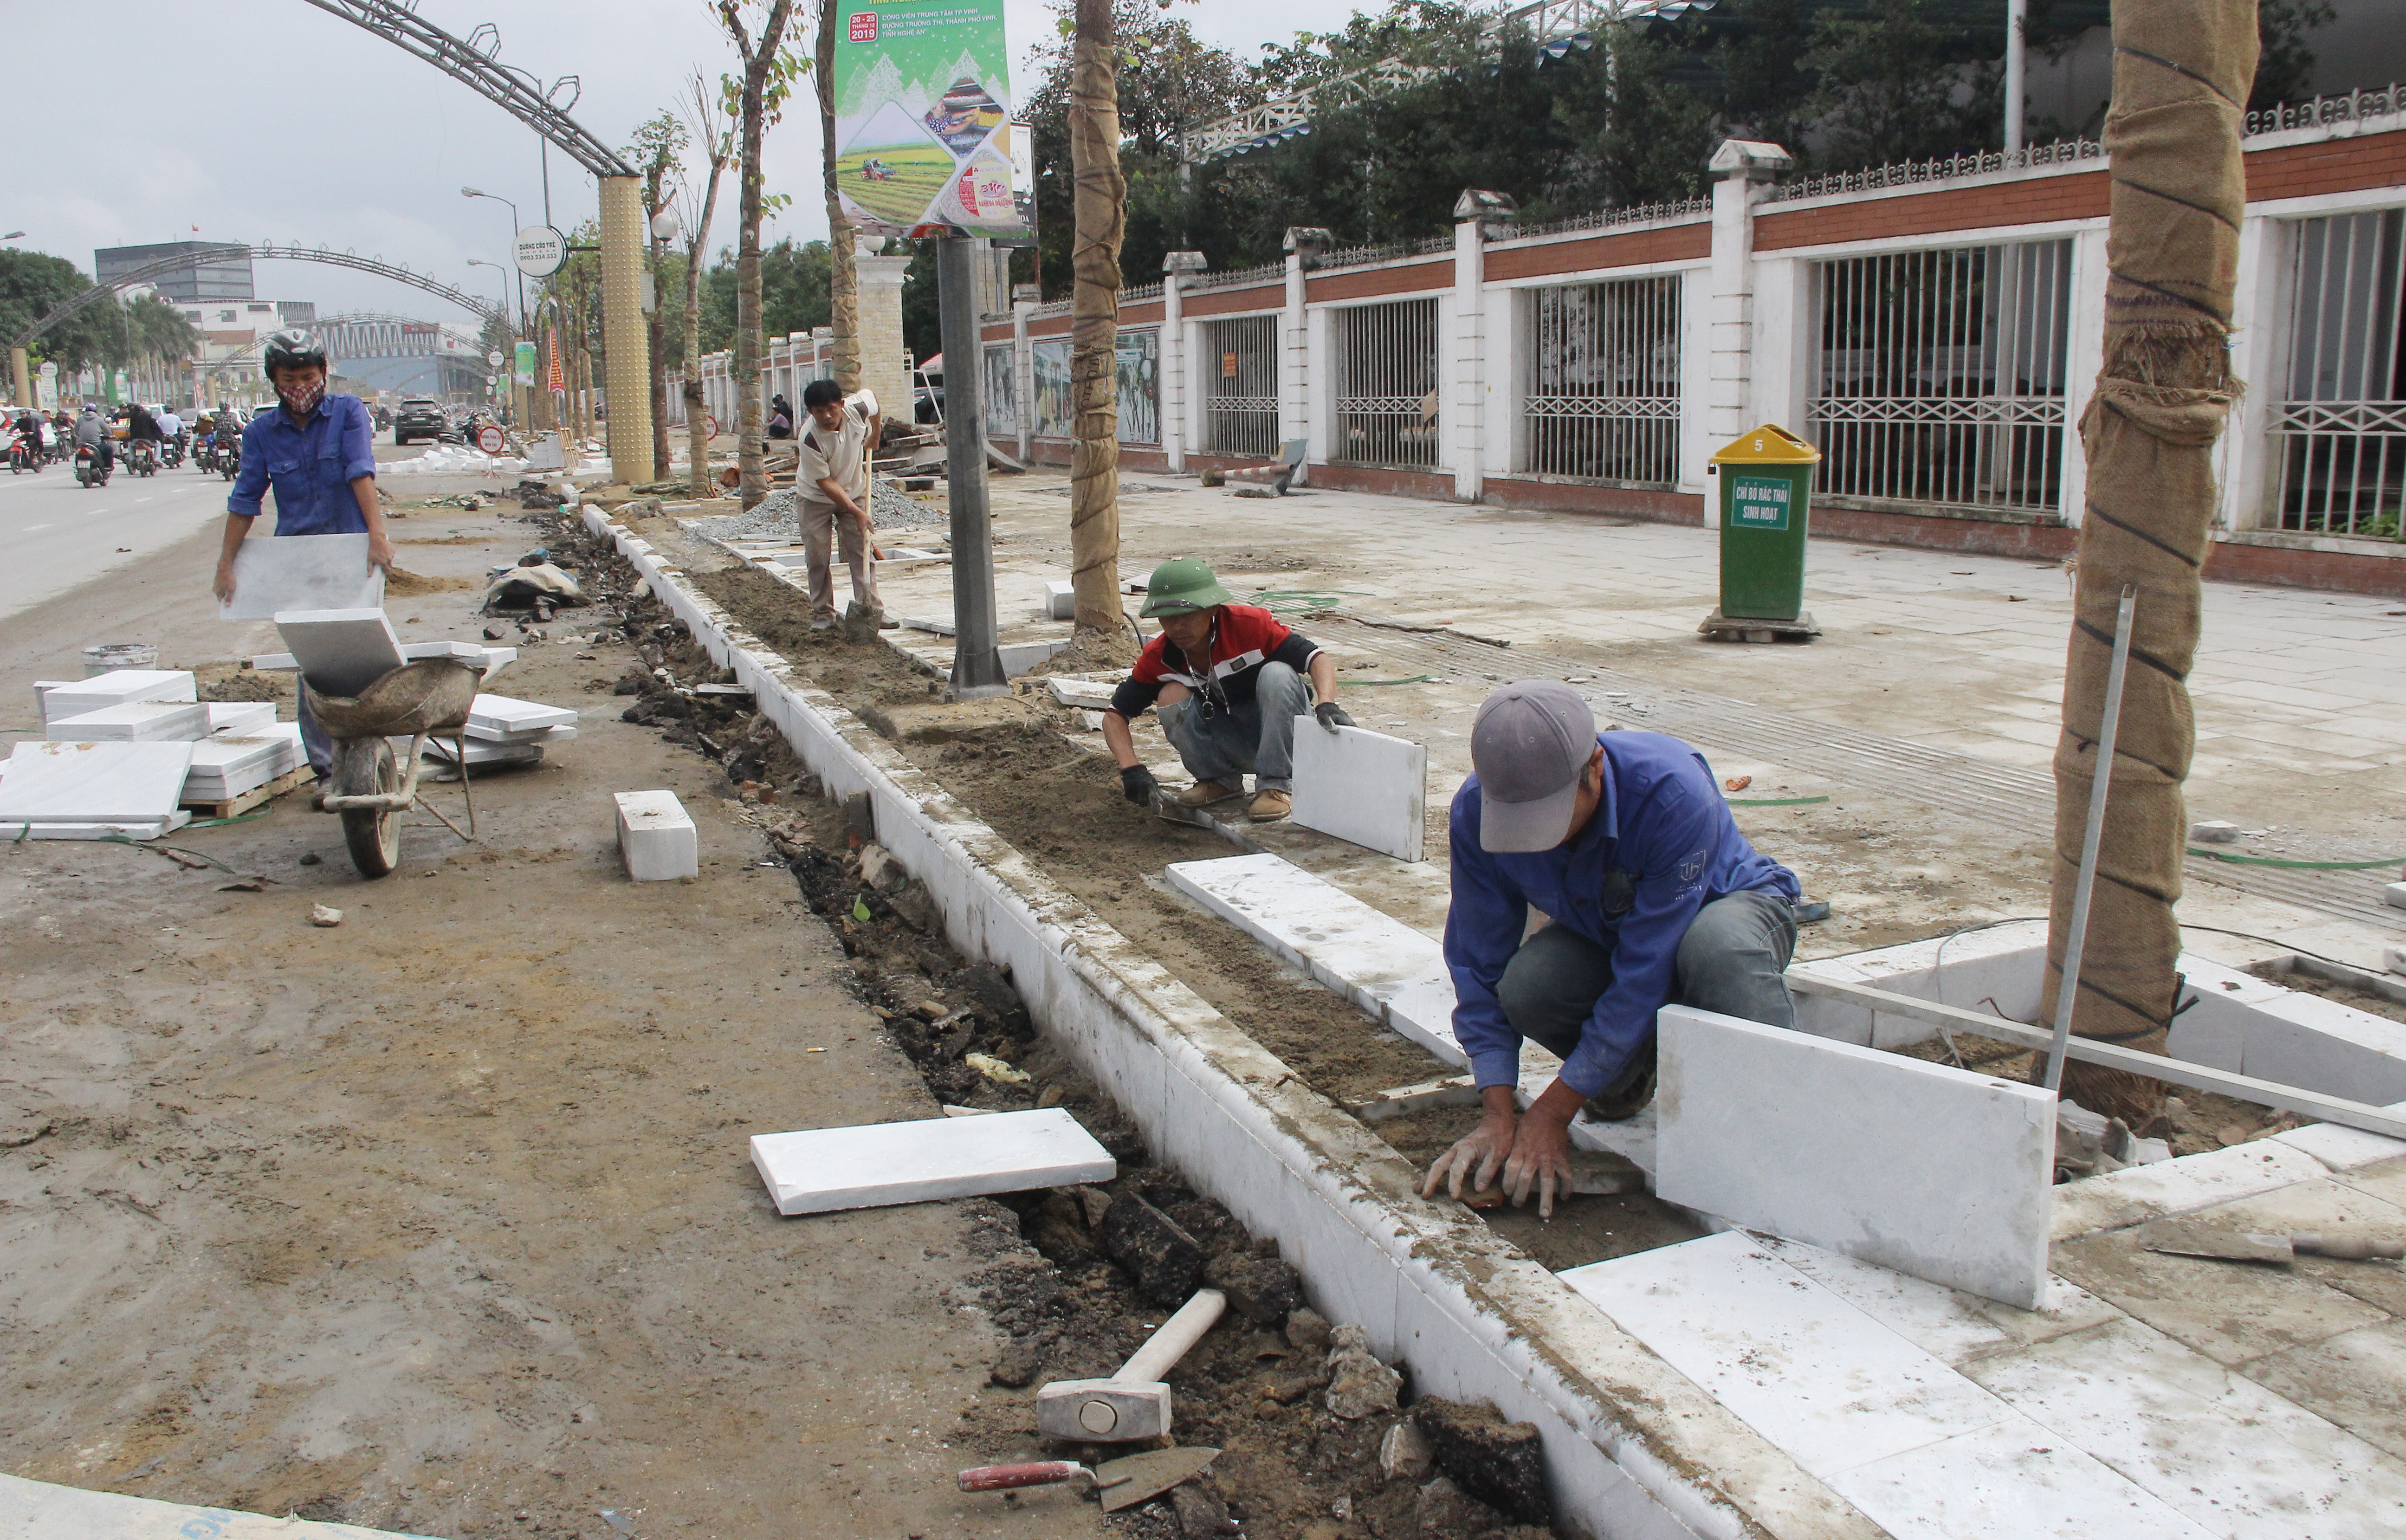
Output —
<point x="1622" y="841"/>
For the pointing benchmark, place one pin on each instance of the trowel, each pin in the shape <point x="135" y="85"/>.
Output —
<point x="1121" y="1483"/>
<point x="1169" y="808"/>
<point x="2187" y="1239"/>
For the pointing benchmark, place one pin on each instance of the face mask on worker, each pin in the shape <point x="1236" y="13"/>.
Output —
<point x="302" y="395"/>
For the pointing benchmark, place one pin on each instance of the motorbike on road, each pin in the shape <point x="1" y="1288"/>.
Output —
<point x="142" y="458"/>
<point x="90" y="470"/>
<point x="229" y="460"/>
<point x="171" y="454"/>
<point x="23" y="456"/>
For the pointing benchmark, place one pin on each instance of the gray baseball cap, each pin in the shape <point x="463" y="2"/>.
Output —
<point x="1528" y="744"/>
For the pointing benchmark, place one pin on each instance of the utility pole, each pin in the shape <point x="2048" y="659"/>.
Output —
<point x="2016" y="20"/>
<point x="977" y="665"/>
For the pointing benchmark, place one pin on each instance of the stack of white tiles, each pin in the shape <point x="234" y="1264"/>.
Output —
<point x="226" y="748"/>
<point x="506" y="731"/>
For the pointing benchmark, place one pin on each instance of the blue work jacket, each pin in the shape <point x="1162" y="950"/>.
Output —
<point x="310" y="466"/>
<point x="1660" y="847"/>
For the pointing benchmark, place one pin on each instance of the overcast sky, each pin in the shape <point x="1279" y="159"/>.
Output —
<point x="255" y="120"/>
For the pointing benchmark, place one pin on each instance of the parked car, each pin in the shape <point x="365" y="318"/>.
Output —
<point x="420" y="417"/>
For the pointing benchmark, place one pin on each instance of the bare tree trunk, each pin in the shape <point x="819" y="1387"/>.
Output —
<point x="2182" y="69"/>
<point x="844" y="281"/>
<point x="760" y="58"/>
<point x="696" y="408"/>
<point x="1099" y="202"/>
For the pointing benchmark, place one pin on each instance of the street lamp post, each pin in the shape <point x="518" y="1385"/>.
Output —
<point x="514" y="226"/>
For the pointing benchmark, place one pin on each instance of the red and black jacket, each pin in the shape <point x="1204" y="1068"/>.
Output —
<point x="1243" y="638"/>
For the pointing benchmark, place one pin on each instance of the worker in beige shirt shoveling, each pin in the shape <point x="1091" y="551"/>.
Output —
<point x="833" y="484"/>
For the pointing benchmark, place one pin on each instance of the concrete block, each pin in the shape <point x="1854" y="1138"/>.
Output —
<point x="2394" y="894"/>
<point x="1925" y="1168"/>
<point x="340" y="652"/>
<point x="273" y="574"/>
<point x="94" y="782"/>
<point x="120" y="687"/>
<point x="141" y="722"/>
<point x="656" y="837"/>
<point x="240" y="718"/>
<point x="1018" y="657"/>
<point x="820" y="1170"/>
<point x="1363" y="786"/>
<point x="500" y="719"/>
<point x="1060" y="601"/>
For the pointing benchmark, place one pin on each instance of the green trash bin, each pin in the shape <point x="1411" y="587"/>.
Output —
<point x="1766" y="477"/>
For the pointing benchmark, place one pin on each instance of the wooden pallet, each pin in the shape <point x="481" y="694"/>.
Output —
<point x="235" y="807"/>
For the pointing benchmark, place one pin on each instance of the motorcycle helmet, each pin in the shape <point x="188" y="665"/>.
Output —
<point x="291" y="349"/>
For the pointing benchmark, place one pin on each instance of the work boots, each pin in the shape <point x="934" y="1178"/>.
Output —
<point x="1202" y="794"/>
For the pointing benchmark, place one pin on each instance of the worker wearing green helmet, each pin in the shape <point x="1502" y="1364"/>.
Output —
<point x="1229" y="680"/>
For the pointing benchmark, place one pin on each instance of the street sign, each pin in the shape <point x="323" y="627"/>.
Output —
<point x="494" y="358"/>
<point x="491" y="440"/>
<point x="49" y="369"/>
<point x="541" y="249"/>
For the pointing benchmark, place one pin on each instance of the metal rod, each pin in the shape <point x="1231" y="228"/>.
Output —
<point x="2101" y="784"/>
<point x="977" y="666"/>
<point x="2329" y="1109"/>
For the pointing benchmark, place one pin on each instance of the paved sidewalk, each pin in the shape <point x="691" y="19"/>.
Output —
<point x="2301" y="697"/>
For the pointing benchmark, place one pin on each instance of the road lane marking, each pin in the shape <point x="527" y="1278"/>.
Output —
<point x="34" y="529"/>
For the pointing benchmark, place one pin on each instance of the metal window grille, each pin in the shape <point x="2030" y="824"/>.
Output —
<point x="1001" y="396"/>
<point x="1240" y="406"/>
<point x="1942" y="376"/>
<point x="1386" y="384"/>
<point x="2339" y="437"/>
<point x="1604" y="381"/>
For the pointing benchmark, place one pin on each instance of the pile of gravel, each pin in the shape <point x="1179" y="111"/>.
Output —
<point x="779" y="515"/>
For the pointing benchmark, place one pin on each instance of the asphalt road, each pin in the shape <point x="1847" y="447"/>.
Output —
<point x="56" y="536"/>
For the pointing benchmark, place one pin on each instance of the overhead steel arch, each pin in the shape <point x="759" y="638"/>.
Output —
<point x="471" y="62"/>
<point x="250" y="351"/>
<point x="473" y="304"/>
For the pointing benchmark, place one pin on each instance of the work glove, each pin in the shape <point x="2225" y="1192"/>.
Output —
<point x="1139" y="786"/>
<point x="1332" y="716"/>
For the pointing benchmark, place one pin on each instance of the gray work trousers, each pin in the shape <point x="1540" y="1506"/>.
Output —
<point x="1256" y="735"/>
<point x="823" y="527"/>
<point x="1732" y="961"/>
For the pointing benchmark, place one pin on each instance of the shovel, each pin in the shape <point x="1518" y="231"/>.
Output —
<point x="1123" y="1483"/>
<point x="2197" y="1240"/>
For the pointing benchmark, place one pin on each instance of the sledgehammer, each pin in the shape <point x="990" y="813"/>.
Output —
<point x="1133" y="1404"/>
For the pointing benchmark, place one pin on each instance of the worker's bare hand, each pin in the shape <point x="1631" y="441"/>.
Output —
<point x="224" y="585"/>
<point x="1541" y="1158"/>
<point x="1482" y="1150"/>
<point x="380" y="552"/>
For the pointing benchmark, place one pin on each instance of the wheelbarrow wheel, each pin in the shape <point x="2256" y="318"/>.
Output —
<point x="366" y="767"/>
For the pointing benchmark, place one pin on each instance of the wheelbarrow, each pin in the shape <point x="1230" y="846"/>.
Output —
<point x="368" y="786"/>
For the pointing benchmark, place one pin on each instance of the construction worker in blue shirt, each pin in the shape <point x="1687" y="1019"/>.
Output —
<point x="1623" y="841"/>
<point x="317" y="452"/>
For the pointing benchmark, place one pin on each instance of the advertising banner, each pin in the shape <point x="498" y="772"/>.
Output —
<point x="923" y="130"/>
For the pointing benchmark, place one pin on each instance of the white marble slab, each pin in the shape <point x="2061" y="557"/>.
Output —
<point x="479" y="752"/>
<point x="340" y="652"/>
<point x="1363" y="786"/>
<point x="148" y="828"/>
<point x="1951" y="1325"/>
<point x="2171" y="1419"/>
<point x="1060" y="601"/>
<point x="240" y="718"/>
<point x="94" y="782"/>
<point x="1927" y="1170"/>
<point x="1089" y="694"/>
<point x="137" y="722"/>
<point x="1368" y="958"/>
<point x="273" y="574"/>
<point x="820" y="1170"/>
<point x="1893" y="1429"/>
<point x="656" y="837"/>
<point x="118" y="687"/>
<point x="2180" y="1186"/>
<point x="500" y="719"/>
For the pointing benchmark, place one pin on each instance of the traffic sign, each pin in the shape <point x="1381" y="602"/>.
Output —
<point x="490" y="440"/>
<point x="494" y="358"/>
<point x="541" y="249"/>
<point x="49" y="369"/>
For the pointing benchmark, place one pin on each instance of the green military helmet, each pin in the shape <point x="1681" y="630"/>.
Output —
<point x="1183" y="586"/>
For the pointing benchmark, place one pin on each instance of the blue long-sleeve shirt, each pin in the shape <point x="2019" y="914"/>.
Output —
<point x="1660" y="848"/>
<point x="311" y="467"/>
